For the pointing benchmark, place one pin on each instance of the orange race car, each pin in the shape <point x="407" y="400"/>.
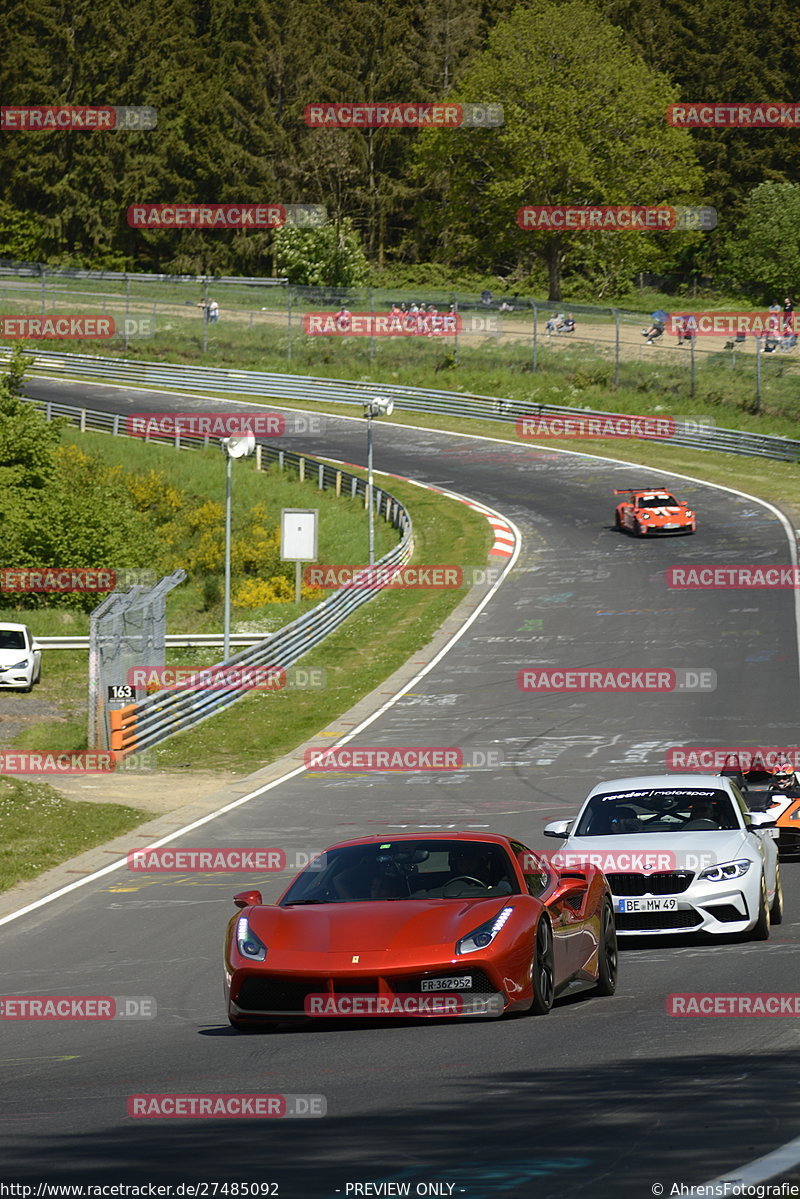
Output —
<point x="652" y="510"/>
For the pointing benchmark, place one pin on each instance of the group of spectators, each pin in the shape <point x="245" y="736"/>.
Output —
<point x="561" y="323"/>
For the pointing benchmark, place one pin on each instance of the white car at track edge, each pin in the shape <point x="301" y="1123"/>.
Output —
<point x="682" y="854"/>
<point x="20" y="657"/>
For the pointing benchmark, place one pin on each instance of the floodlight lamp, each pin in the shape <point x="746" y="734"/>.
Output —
<point x="239" y="446"/>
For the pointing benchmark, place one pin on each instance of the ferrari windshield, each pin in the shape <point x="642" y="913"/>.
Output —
<point x="418" y="869"/>
<point x="660" y="810"/>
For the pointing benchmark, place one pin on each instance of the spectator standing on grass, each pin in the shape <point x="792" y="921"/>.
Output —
<point x="788" y="315"/>
<point x="343" y="318"/>
<point x="213" y="312"/>
<point x="774" y="321"/>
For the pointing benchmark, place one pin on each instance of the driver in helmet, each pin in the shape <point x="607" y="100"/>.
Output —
<point x="785" y="779"/>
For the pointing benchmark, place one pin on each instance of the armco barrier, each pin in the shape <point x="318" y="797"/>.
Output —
<point x="150" y="721"/>
<point x="300" y="389"/>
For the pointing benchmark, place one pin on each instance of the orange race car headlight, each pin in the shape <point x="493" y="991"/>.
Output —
<point x="248" y="944"/>
<point x="484" y="934"/>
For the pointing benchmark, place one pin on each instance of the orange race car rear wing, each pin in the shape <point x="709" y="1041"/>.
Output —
<point x="635" y="490"/>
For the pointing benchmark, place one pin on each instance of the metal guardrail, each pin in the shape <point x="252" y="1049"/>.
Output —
<point x="149" y="721"/>
<point x="303" y="389"/>
<point x="174" y="640"/>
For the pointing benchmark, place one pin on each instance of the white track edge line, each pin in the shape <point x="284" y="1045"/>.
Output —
<point x="38" y="903"/>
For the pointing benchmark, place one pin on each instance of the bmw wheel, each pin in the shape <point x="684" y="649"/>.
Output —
<point x="776" y="911"/>
<point x="760" y="930"/>
<point x="543" y="970"/>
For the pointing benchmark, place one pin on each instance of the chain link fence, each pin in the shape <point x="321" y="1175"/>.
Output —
<point x="332" y="330"/>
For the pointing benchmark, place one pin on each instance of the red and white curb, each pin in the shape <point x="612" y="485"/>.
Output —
<point x="505" y="536"/>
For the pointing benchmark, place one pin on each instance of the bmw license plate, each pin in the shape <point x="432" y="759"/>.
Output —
<point x="463" y="983"/>
<point x="660" y="903"/>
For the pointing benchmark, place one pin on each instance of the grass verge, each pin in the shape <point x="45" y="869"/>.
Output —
<point x="40" y="828"/>
<point x="374" y="642"/>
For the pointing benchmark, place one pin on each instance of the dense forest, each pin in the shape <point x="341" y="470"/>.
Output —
<point x="584" y="86"/>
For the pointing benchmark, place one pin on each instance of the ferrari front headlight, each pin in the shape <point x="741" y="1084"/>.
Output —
<point x="724" y="871"/>
<point x="248" y="944"/>
<point x="484" y="934"/>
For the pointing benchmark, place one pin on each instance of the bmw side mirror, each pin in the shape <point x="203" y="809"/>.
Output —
<point x="558" y="828"/>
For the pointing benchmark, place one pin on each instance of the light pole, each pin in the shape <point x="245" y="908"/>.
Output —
<point x="233" y="447"/>
<point x="377" y="406"/>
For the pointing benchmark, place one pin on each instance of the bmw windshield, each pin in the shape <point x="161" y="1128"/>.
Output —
<point x="662" y="810"/>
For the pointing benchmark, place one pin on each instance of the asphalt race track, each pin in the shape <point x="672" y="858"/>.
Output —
<point x="603" y="1097"/>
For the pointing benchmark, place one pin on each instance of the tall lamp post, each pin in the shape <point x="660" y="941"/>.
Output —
<point x="377" y="406"/>
<point x="233" y="447"/>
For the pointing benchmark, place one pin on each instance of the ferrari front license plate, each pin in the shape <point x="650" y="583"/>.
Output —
<point x="649" y="904"/>
<point x="463" y="983"/>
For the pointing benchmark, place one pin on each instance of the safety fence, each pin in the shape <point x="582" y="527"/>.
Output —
<point x="179" y="316"/>
<point x="141" y="725"/>
<point x="301" y="389"/>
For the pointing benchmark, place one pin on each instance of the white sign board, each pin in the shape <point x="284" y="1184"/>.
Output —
<point x="299" y="534"/>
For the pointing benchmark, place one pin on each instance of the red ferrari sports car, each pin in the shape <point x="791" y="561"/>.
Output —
<point x="652" y="510"/>
<point x="434" y="924"/>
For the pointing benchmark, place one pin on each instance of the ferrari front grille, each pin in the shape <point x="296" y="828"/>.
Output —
<point x="671" y="882"/>
<point x="278" y="994"/>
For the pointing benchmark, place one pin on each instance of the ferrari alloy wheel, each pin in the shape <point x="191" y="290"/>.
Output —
<point x="760" y="930"/>
<point x="607" y="955"/>
<point x="776" y="911"/>
<point x="543" y="975"/>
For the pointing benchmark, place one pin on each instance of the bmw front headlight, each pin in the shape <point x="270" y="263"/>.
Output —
<point x="484" y="934"/>
<point x="725" y="871"/>
<point x="248" y="944"/>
